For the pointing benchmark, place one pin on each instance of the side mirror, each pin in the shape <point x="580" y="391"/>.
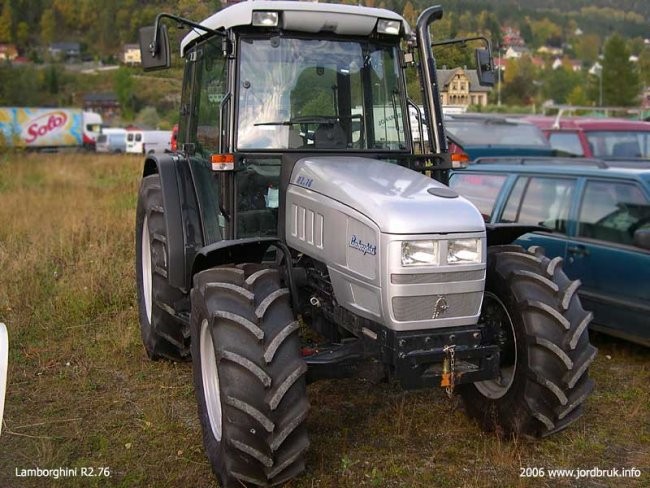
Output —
<point x="154" y="47"/>
<point x="484" y="67"/>
<point x="642" y="238"/>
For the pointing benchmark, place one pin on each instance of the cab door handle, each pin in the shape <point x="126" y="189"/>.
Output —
<point x="578" y="250"/>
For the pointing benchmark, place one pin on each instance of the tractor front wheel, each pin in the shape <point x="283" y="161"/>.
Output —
<point x="249" y="375"/>
<point x="532" y="311"/>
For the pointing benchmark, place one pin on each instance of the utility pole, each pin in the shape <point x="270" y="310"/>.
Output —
<point x="600" y="88"/>
<point x="499" y="77"/>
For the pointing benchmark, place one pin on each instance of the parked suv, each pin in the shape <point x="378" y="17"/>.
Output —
<point x="480" y="135"/>
<point x="593" y="214"/>
<point x="606" y="138"/>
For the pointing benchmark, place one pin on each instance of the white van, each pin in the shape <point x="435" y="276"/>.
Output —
<point x="148" y="141"/>
<point x="111" y="140"/>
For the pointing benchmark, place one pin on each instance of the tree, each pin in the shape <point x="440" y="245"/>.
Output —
<point x="559" y="83"/>
<point x="22" y="34"/>
<point x="577" y="97"/>
<point x="620" y="77"/>
<point x="51" y="80"/>
<point x="409" y="13"/>
<point x="587" y="47"/>
<point x="526" y="31"/>
<point x="6" y="23"/>
<point x="123" y="86"/>
<point x="68" y="12"/>
<point x="48" y="26"/>
<point x="544" y="30"/>
<point x="644" y="66"/>
<point x="519" y="81"/>
<point x="489" y="23"/>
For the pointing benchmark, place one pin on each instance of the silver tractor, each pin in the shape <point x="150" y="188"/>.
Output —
<point x="297" y="200"/>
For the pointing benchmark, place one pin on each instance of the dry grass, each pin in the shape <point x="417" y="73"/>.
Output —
<point x="82" y="393"/>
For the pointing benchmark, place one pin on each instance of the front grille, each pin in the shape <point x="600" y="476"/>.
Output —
<point x="407" y="309"/>
<point x="422" y="278"/>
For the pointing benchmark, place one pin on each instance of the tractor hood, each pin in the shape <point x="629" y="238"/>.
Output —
<point x="397" y="199"/>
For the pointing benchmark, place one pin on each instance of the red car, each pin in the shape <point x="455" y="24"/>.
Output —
<point x="604" y="138"/>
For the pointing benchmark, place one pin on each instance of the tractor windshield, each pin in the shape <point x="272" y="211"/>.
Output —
<point x="317" y="94"/>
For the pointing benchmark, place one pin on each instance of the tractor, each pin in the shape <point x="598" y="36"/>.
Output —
<point x="298" y="233"/>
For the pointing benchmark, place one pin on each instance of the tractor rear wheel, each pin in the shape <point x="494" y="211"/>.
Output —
<point x="163" y="335"/>
<point x="249" y="375"/>
<point x="531" y="309"/>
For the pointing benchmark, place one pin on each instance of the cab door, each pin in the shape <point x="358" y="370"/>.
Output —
<point x="615" y="274"/>
<point x="201" y="134"/>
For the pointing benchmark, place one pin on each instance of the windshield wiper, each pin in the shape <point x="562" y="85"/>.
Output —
<point x="307" y="119"/>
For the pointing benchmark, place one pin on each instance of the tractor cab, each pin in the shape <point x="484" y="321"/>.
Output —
<point x="266" y="81"/>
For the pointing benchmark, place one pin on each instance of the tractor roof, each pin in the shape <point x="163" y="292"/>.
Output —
<point x="303" y="17"/>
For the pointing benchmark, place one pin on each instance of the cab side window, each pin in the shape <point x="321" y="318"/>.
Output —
<point x="186" y="100"/>
<point x="204" y="89"/>
<point x="613" y="212"/>
<point x="540" y="201"/>
<point x="211" y="84"/>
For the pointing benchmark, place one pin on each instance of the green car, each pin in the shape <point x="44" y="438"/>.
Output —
<point x="594" y="215"/>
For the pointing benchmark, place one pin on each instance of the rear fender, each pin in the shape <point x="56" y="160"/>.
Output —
<point x="165" y="165"/>
<point x="502" y="234"/>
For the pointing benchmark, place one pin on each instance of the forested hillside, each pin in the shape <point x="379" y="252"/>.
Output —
<point x="578" y="30"/>
<point x="102" y="26"/>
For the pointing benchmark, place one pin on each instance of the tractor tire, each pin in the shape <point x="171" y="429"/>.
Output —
<point x="531" y="309"/>
<point x="163" y="335"/>
<point x="249" y="376"/>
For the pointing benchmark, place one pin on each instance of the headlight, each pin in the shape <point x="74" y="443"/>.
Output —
<point x="385" y="26"/>
<point x="464" y="251"/>
<point x="416" y="253"/>
<point x="265" y="19"/>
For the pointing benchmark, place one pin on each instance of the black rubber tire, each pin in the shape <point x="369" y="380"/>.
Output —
<point x="163" y="335"/>
<point x="553" y="352"/>
<point x="261" y="375"/>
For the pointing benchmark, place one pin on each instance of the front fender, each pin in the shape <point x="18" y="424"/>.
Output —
<point x="249" y="250"/>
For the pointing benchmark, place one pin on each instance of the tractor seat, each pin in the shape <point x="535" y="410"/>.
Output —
<point x="330" y="136"/>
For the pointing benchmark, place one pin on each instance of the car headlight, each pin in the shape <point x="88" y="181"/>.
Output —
<point x="464" y="251"/>
<point x="415" y="253"/>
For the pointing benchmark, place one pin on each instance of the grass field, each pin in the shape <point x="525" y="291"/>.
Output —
<point x="82" y="393"/>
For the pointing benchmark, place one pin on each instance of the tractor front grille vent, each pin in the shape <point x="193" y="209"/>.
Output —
<point x="407" y="309"/>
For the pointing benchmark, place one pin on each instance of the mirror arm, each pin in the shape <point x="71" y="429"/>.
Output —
<point x="463" y="40"/>
<point x="180" y="20"/>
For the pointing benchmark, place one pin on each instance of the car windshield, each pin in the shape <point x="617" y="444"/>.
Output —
<point x="619" y="144"/>
<point x="495" y="133"/>
<point x="312" y="94"/>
